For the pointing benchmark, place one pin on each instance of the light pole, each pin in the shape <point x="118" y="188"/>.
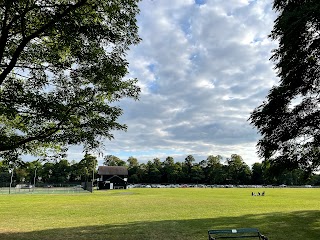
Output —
<point x="35" y="176"/>
<point x="10" y="171"/>
<point x="93" y="169"/>
<point x="92" y="178"/>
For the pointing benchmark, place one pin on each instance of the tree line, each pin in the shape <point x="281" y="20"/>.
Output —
<point x="212" y="170"/>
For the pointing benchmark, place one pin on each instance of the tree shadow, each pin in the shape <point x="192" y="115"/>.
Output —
<point x="278" y="226"/>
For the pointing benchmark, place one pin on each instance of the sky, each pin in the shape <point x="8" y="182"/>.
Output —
<point x="203" y="66"/>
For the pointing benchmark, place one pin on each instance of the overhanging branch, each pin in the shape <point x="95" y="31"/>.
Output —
<point x="27" y="39"/>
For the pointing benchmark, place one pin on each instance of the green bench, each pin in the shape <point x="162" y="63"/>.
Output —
<point x="244" y="233"/>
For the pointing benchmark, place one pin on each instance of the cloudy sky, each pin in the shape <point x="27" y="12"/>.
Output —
<point x="203" y="66"/>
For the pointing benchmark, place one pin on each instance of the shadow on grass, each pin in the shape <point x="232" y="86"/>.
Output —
<point x="302" y="225"/>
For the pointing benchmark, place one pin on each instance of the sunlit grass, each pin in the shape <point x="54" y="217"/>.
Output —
<point x="160" y="214"/>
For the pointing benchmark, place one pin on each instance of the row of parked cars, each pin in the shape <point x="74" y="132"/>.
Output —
<point x="24" y="186"/>
<point x="179" y="186"/>
<point x="207" y="186"/>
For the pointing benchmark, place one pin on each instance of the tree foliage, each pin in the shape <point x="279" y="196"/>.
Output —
<point x="87" y="167"/>
<point x="289" y="119"/>
<point x="238" y="171"/>
<point x="62" y="68"/>
<point x="111" y="160"/>
<point x="212" y="171"/>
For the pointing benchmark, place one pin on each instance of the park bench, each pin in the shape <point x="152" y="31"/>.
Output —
<point x="244" y="233"/>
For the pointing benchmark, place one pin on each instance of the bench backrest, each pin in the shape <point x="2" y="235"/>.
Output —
<point x="234" y="233"/>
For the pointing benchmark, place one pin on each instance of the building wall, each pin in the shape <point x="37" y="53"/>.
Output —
<point x="114" y="182"/>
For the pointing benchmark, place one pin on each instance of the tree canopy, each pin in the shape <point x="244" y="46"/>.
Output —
<point x="111" y="160"/>
<point x="62" y="68"/>
<point x="289" y="119"/>
<point x="215" y="170"/>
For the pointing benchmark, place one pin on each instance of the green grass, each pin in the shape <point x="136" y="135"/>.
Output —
<point x="165" y="214"/>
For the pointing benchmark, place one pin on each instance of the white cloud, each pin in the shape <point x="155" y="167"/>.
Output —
<point x="203" y="66"/>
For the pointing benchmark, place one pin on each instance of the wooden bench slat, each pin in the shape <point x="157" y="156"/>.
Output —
<point x="236" y="233"/>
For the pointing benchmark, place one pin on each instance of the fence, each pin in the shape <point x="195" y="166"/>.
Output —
<point x="43" y="189"/>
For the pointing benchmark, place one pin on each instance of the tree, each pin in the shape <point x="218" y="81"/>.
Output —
<point x="215" y="171"/>
<point x="4" y="173"/>
<point x="177" y="174"/>
<point x="34" y="171"/>
<point x="168" y="170"/>
<point x="186" y="168"/>
<point x="294" y="177"/>
<point x="61" y="171"/>
<point x="196" y="174"/>
<point x="157" y="163"/>
<point x="257" y="173"/>
<point x="290" y="118"/>
<point x="47" y="172"/>
<point x="62" y="65"/>
<point x="171" y="170"/>
<point x="87" y="167"/>
<point x="153" y="173"/>
<point x="111" y="160"/>
<point x="238" y="171"/>
<point x="189" y="160"/>
<point x="132" y="162"/>
<point x="133" y="170"/>
<point x="75" y="174"/>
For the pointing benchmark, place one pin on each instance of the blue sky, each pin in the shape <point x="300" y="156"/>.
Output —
<point x="203" y="66"/>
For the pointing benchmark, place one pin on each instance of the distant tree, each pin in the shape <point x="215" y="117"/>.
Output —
<point x="111" y="160"/>
<point x="169" y="161"/>
<point x="294" y="177"/>
<point x="168" y="169"/>
<point x="314" y="180"/>
<point x="47" y="172"/>
<point x="34" y="170"/>
<point x="133" y="170"/>
<point x="75" y="172"/>
<point x="257" y="173"/>
<point x="197" y="174"/>
<point x="216" y="173"/>
<point x="13" y="163"/>
<point x="153" y="173"/>
<point x="21" y="174"/>
<point x="289" y="120"/>
<point x="177" y="175"/>
<point x="171" y="170"/>
<point x="238" y="171"/>
<point x="189" y="160"/>
<point x="87" y="167"/>
<point x="132" y="162"/>
<point x="61" y="171"/>
<point x="187" y="166"/>
<point x="62" y="67"/>
<point x="143" y="173"/>
<point x="4" y="173"/>
<point x="157" y="163"/>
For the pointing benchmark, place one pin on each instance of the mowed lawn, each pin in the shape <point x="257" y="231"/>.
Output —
<point x="166" y="214"/>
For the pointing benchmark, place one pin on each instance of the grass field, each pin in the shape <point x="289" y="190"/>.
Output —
<point x="165" y="214"/>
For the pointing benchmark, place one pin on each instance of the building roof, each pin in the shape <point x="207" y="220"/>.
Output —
<point x="112" y="170"/>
